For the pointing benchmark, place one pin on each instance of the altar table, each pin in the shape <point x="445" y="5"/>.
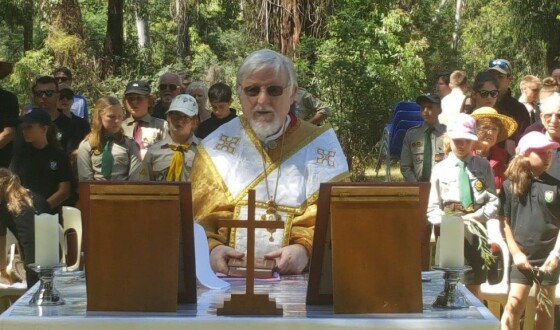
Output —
<point x="289" y="293"/>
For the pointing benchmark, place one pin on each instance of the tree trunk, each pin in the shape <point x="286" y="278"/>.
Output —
<point x="458" y="8"/>
<point x="142" y="25"/>
<point x="114" y="39"/>
<point x="182" y="20"/>
<point x="291" y="27"/>
<point x="64" y="16"/>
<point x="28" y="25"/>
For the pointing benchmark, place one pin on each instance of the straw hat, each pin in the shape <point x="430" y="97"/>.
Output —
<point x="509" y="126"/>
<point x="5" y="68"/>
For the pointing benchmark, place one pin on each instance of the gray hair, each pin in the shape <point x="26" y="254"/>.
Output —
<point x="171" y="74"/>
<point x="197" y="85"/>
<point x="267" y="59"/>
<point x="551" y="103"/>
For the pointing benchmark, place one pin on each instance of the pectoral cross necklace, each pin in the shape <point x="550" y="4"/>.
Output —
<point x="271" y="206"/>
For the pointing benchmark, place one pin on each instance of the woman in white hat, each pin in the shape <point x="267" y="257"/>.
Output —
<point x="493" y="128"/>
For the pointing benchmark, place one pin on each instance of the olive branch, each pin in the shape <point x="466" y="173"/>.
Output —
<point x="542" y="299"/>
<point x="478" y="229"/>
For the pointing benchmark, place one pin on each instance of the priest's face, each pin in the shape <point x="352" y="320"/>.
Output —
<point x="266" y="99"/>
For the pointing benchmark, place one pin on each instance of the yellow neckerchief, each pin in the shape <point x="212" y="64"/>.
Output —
<point x="176" y="165"/>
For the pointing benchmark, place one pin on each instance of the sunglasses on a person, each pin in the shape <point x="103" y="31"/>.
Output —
<point x="171" y="87"/>
<point x="484" y="93"/>
<point x="61" y="79"/>
<point x="499" y="63"/>
<point x="254" y="90"/>
<point x="66" y="96"/>
<point x="46" y="92"/>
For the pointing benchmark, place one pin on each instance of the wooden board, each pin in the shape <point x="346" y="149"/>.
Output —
<point x="375" y="247"/>
<point x="131" y="245"/>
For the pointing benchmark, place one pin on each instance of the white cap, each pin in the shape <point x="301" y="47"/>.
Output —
<point x="462" y="126"/>
<point x="184" y="103"/>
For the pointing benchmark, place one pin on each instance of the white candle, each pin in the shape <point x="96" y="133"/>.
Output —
<point x="451" y="247"/>
<point x="46" y="239"/>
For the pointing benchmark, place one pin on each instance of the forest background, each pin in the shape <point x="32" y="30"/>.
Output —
<point x="359" y="56"/>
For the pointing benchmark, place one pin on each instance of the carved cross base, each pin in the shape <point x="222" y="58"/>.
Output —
<point x="250" y="304"/>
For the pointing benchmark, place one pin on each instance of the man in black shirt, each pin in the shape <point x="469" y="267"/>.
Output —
<point x="220" y="100"/>
<point x="9" y="111"/>
<point x="507" y="104"/>
<point x="169" y="86"/>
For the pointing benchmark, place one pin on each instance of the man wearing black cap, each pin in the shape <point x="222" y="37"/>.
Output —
<point x="507" y="104"/>
<point x="422" y="140"/>
<point x="144" y="129"/>
<point x="9" y="109"/>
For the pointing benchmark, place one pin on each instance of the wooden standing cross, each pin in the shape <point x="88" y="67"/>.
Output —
<point x="250" y="303"/>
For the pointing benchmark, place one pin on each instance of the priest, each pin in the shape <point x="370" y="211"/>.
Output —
<point x="270" y="150"/>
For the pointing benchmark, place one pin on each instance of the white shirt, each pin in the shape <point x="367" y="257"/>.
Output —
<point x="451" y="105"/>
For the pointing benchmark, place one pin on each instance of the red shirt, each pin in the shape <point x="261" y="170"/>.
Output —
<point x="498" y="159"/>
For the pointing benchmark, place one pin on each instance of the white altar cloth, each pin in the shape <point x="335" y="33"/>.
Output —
<point x="288" y="292"/>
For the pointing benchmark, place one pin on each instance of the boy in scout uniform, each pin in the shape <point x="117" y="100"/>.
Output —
<point x="171" y="158"/>
<point x="463" y="185"/>
<point x="423" y="145"/>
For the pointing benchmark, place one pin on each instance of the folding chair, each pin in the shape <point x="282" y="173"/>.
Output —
<point x="405" y="116"/>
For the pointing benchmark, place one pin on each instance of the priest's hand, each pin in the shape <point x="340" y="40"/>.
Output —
<point x="290" y="259"/>
<point x="219" y="257"/>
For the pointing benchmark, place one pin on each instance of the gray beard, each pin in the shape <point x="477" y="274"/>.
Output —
<point x="263" y="130"/>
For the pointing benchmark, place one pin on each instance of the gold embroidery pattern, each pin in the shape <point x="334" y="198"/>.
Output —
<point x="325" y="156"/>
<point x="227" y="143"/>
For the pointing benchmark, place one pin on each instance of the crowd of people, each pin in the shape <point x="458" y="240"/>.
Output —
<point x="489" y="156"/>
<point x="54" y="142"/>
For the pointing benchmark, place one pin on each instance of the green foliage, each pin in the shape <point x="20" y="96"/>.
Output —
<point x="366" y="65"/>
<point x="34" y="63"/>
<point x="367" y="55"/>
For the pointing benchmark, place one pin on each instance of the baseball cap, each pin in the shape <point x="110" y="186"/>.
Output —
<point x="185" y="104"/>
<point x="500" y="65"/>
<point x="138" y="87"/>
<point x="535" y="141"/>
<point x="64" y="86"/>
<point x="434" y="98"/>
<point x="36" y="116"/>
<point x="462" y="126"/>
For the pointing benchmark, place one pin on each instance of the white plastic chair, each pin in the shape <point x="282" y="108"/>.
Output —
<point x="72" y="218"/>
<point x="11" y="294"/>
<point x="496" y="295"/>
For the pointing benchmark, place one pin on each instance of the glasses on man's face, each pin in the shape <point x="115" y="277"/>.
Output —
<point x="255" y="90"/>
<point x="171" y="87"/>
<point x="61" y="79"/>
<point x="499" y="63"/>
<point x="485" y="93"/>
<point x="548" y="116"/>
<point x="46" y="92"/>
<point x="488" y="129"/>
<point x="66" y="96"/>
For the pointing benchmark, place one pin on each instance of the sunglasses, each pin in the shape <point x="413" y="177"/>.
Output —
<point x="61" y="79"/>
<point x="484" y="93"/>
<point x="47" y="93"/>
<point x="172" y="87"/>
<point x="255" y="90"/>
<point x="67" y="96"/>
<point x="499" y="63"/>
